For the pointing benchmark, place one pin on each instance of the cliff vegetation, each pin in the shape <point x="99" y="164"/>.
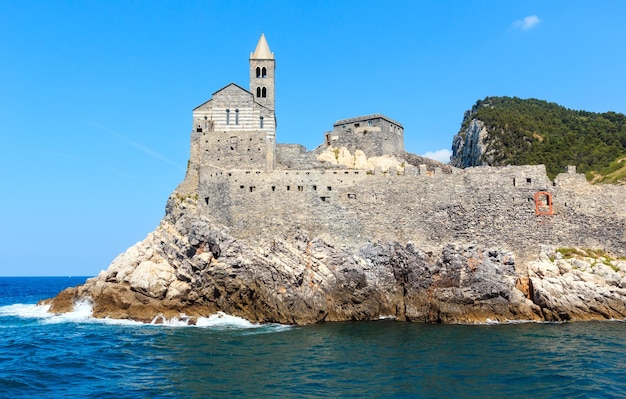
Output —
<point x="531" y="131"/>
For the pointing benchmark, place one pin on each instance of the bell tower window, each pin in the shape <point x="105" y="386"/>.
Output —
<point x="258" y="92"/>
<point x="258" y="72"/>
<point x="264" y="92"/>
<point x="263" y="73"/>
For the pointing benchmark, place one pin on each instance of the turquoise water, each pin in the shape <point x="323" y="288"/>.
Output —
<point x="77" y="356"/>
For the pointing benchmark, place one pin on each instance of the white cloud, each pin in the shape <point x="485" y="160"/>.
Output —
<point x="442" y="155"/>
<point x="527" y="23"/>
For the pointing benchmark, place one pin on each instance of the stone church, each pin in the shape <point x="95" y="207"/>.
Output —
<point x="236" y="128"/>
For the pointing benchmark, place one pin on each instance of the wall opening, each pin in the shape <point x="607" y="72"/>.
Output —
<point x="206" y="199"/>
<point x="543" y="203"/>
<point x="329" y="188"/>
<point x="351" y="196"/>
<point x="300" y="188"/>
<point x="258" y="72"/>
<point x="264" y="73"/>
<point x="325" y="199"/>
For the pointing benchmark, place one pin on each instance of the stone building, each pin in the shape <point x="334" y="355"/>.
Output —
<point x="376" y="135"/>
<point x="236" y="128"/>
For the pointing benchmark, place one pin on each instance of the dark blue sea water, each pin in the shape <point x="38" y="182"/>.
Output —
<point x="44" y="356"/>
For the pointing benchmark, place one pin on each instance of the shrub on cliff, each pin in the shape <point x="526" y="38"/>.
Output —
<point x="531" y="131"/>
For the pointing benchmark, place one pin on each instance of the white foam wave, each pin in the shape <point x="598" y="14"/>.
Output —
<point x="83" y="313"/>
<point x="218" y="321"/>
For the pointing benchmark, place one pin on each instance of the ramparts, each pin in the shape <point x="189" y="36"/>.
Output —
<point x="490" y="206"/>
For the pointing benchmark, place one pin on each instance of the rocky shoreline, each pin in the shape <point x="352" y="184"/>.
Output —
<point x="190" y="267"/>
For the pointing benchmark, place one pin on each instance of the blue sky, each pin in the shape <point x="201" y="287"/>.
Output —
<point x="96" y="96"/>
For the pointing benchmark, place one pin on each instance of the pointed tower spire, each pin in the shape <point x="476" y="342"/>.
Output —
<point x="262" y="51"/>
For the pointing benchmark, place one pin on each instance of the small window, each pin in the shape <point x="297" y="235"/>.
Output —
<point x="258" y="72"/>
<point x="241" y="187"/>
<point x="288" y="188"/>
<point x="252" y="188"/>
<point x="236" y="117"/>
<point x="273" y="188"/>
<point x="199" y="129"/>
<point x="329" y="188"/>
<point x="314" y="188"/>
<point x="528" y="180"/>
<point x="357" y="124"/>
<point x="261" y="122"/>
<point x="263" y="72"/>
<point x="206" y="199"/>
<point x="300" y="188"/>
<point x="258" y="92"/>
<point x="351" y="196"/>
<point x="264" y="92"/>
<point x="370" y="123"/>
<point x="228" y="117"/>
<point x="325" y="199"/>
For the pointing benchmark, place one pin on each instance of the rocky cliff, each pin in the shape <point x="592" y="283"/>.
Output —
<point x="500" y="131"/>
<point x="190" y="267"/>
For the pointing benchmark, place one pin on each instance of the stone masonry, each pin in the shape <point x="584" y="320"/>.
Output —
<point x="261" y="190"/>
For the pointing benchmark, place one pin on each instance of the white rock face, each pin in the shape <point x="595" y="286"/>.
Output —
<point x="152" y="279"/>
<point x="579" y="289"/>
<point x="341" y="156"/>
<point x="468" y="147"/>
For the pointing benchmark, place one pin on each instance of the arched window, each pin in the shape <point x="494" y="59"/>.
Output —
<point x="261" y="122"/>
<point x="258" y="92"/>
<point x="228" y="117"/>
<point x="263" y="73"/>
<point x="264" y="92"/>
<point x="258" y="72"/>
<point x="236" y="117"/>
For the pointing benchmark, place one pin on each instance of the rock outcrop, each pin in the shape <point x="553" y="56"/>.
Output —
<point x="469" y="147"/>
<point x="190" y="267"/>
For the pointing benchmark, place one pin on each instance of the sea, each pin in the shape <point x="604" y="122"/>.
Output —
<point x="76" y="356"/>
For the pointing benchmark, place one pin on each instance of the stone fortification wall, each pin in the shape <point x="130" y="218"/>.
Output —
<point x="483" y="205"/>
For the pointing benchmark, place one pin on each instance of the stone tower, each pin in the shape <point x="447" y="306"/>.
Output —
<point x="262" y="74"/>
<point x="262" y="67"/>
<point x="236" y="128"/>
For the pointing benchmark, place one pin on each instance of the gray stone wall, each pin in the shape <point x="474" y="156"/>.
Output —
<point x="492" y="206"/>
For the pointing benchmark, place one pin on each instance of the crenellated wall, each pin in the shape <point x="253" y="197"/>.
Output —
<point x="492" y="206"/>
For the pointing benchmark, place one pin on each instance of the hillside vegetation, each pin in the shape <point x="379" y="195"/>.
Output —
<point x="538" y="132"/>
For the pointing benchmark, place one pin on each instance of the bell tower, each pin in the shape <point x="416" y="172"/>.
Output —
<point x="262" y="67"/>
